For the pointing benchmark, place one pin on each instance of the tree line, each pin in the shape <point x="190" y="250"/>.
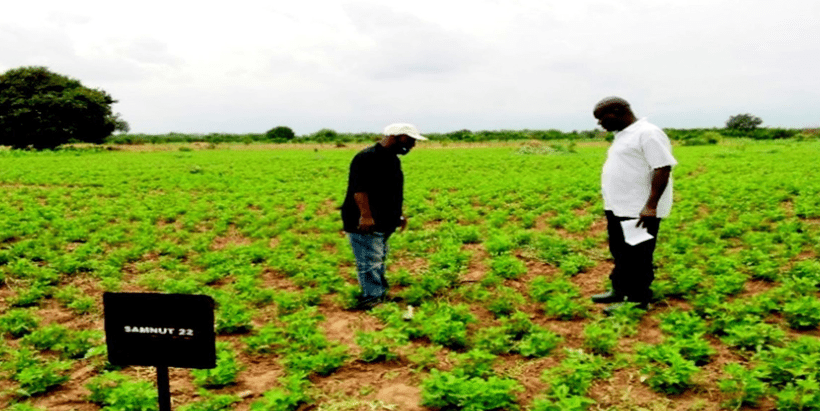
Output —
<point x="40" y="109"/>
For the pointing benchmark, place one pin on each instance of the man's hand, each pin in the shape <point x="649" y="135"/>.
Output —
<point x="366" y="224"/>
<point x="402" y="223"/>
<point x="647" y="214"/>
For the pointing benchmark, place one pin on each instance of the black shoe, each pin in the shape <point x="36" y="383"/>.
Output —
<point x="610" y="309"/>
<point x="392" y="299"/>
<point x="607" y="297"/>
<point x="367" y="303"/>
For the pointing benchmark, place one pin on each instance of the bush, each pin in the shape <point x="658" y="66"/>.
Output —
<point x="280" y="134"/>
<point x="43" y="110"/>
<point x="703" y="139"/>
<point x="325" y="135"/>
<point x="743" y="122"/>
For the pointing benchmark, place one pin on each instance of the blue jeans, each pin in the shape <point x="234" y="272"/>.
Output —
<point x="370" y="251"/>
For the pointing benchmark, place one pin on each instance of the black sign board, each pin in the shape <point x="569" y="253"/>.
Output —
<point x="167" y="330"/>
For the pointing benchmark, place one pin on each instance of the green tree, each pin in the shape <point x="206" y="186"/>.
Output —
<point x="743" y="122"/>
<point x="42" y="109"/>
<point x="280" y="134"/>
<point x="325" y="135"/>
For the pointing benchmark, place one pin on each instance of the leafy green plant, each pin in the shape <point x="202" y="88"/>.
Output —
<point x="803" y="312"/>
<point x="265" y="339"/>
<point x="682" y="323"/>
<point x="118" y="392"/>
<point x="561" y="399"/>
<point x="507" y="266"/>
<point x="225" y="371"/>
<point x="18" y="322"/>
<point x="495" y="340"/>
<point x="754" y="336"/>
<point x="474" y="363"/>
<point x="504" y="301"/>
<point x="517" y="325"/>
<point x="41" y="377"/>
<point x="800" y="395"/>
<point x="665" y="369"/>
<point x="31" y="295"/>
<point x="542" y="288"/>
<point x="565" y="307"/>
<point x="538" y="343"/>
<point x="693" y="347"/>
<point x="288" y="397"/>
<point x="601" y="337"/>
<point x="424" y="358"/>
<point x="69" y="343"/>
<point x="456" y="391"/>
<point x="575" y="374"/>
<point x="232" y="316"/>
<point x="380" y="345"/>
<point x="575" y="263"/>
<point x="323" y="361"/>
<point x="796" y="360"/>
<point x="743" y="387"/>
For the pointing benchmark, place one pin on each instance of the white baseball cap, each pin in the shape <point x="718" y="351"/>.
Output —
<point x="397" y="129"/>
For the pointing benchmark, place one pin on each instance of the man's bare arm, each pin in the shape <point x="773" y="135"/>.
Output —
<point x="366" y="221"/>
<point x="660" y="179"/>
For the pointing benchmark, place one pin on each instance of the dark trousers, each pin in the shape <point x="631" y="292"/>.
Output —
<point x="633" y="272"/>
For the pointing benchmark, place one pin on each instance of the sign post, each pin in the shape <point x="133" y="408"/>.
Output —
<point x="160" y="330"/>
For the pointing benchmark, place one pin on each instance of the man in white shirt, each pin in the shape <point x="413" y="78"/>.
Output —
<point x="636" y="187"/>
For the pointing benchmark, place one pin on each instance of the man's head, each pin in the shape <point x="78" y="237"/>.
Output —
<point x="613" y="114"/>
<point x="401" y="137"/>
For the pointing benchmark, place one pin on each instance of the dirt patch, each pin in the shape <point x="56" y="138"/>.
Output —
<point x="342" y="326"/>
<point x="406" y="397"/>
<point x="477" y="266"/>
<point x="232" y="238"/>
<point x="595" y="280"/>
<point x="374" y="381"/>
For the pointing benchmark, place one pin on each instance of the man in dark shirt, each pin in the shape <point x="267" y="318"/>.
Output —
<point x="372" y="209"/>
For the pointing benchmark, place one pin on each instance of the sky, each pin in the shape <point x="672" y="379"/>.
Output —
<point x="247" y="66"/>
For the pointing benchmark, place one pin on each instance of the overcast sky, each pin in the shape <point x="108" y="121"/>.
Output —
<point x="247" y="66"/>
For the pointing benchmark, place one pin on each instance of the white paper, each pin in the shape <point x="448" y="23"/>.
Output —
<point x="634" y="235"/>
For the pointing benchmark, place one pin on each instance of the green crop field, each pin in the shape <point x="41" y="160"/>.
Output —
<point x="505" y="245"/>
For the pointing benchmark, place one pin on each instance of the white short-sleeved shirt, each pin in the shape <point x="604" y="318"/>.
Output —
<point x="626" y="180"/>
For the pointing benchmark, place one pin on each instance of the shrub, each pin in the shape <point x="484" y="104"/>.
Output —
<point x="703" y="139"/>
<point x="43" y="109"/>
<point x="743" y="122"/>
<point x="280" y="134"/>
<point x="325" y="135"/>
